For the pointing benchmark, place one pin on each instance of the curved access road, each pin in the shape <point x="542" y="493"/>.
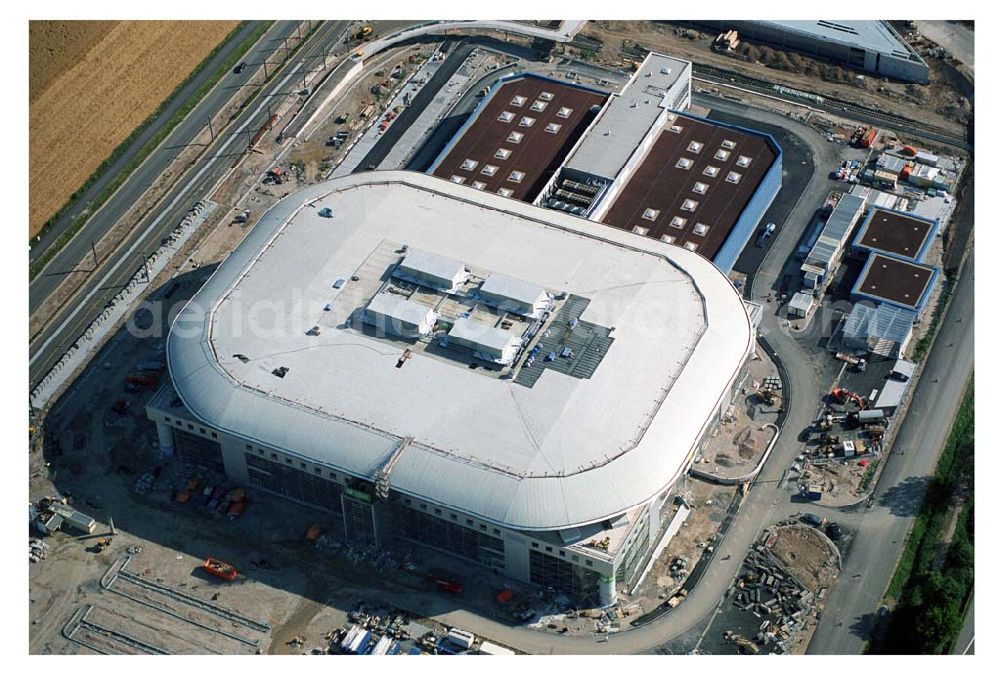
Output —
<point x="564" y="33"/>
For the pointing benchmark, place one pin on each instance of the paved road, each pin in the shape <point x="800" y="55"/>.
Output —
<point x="882" y="530"/>
<point x="78" y="248"/>
<point x="965" y="644"/>
<point x="954" y="37"/>
<point x="53" y="341"/>
<point x="564" y="33"/>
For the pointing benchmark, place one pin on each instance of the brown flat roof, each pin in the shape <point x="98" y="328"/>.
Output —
<point x="661" y="192"/>
<point x="895" y="233"/>
<point x="537" y="153"/>
<point x="895" y="280"/>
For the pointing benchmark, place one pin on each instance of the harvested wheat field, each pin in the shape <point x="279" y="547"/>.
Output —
<point x="90" y="84"/>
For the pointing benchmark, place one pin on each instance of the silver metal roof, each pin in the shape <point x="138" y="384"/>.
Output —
<point x="629" y="116"/>
<point x="428" y="265"/>
<point x="401" y="309"/>
<point x="834" y="234"/>
<point x="884" y="321"/>
<point x="480" y="335"/>
<point x="498" y="287"/>
<point x="871" y="35"/>
<point x="564" y="452"/>
<point x="801" y="301"/>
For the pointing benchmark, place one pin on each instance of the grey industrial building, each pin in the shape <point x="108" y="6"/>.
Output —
<point x="509" y="384"/>
<point x="871" y="46"/>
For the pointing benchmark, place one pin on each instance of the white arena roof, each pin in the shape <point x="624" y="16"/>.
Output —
<point x="562" y="452"/>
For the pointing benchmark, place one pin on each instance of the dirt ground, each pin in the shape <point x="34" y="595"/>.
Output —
<point x="72" y="126"/>
<point x="938" y="103"/>
<point x="806" y="554"/>
<point x="738" y="443"/>
<point x="709" y="504"/>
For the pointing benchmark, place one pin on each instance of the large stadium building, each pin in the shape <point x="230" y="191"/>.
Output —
<point x="512" y="385"/>
<point x="635" y="160"/>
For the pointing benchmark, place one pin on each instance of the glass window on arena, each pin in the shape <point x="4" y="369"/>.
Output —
<point x="635" y="553"/>
<point x="293" y="483"/>
<point x="451" y="537"/>
<point x="199" y="450"/>
<point x="573" y="581"/>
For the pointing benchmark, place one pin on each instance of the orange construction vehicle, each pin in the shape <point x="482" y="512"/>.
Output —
<point x="842" y="395"/>
<point x="220" y="569"/>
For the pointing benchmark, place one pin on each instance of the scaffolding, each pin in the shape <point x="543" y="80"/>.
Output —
<point x="382" y="474"/>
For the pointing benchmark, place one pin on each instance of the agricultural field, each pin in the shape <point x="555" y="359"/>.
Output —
<point x="90" y="84"/>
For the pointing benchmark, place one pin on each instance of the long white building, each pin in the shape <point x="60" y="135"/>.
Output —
<point x="553" y="464"/>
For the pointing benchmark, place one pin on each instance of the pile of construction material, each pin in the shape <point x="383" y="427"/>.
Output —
<point x="766" y="588"/>
<point x="52" y="513"/>
<point x="143" y="483"/>
<point x="36" y="550"/>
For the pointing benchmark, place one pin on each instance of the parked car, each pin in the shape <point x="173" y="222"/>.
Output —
<point x="240" y="68"/>
<point x="834" y="532"/>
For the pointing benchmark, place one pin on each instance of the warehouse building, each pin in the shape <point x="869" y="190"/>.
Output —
<point x="545" y="447"/>
<point x="518" y="135"/>
<point x="824" y="256"/>
<point x="606" y="157"/>
<point x="890" y="295"/>
<point x="634" y="160"/>
<point x="870" y="46"/>
<point x="704" y="186"/>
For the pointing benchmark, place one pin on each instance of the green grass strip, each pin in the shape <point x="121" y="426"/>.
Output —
<point x="954" y="465"/>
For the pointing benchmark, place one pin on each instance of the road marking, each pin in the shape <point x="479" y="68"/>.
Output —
<point x="971" y="642"/>
<point x="163" y="213"/>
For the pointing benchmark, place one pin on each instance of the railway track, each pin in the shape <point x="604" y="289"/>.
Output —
<point x="117" y="572"/>
<point x="836" y="106"/>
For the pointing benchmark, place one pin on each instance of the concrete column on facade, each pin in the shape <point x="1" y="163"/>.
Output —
<point x="607" y="592"/>
<point x="165" y="438"/>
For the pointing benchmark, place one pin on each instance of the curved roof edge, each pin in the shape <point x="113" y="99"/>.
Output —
<point x="531" y="503"/>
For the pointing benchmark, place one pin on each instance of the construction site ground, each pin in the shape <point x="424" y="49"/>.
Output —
<point x="94" y="455"/>
<point x="843" y="480"/>
<point x="709" y="504"/>
<point x="807" y="554"/>
<point x="311" y="152"/>
<point x="738" y="444"/>
<point x="940" y="103"/>
<point x="802" y="552"/>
